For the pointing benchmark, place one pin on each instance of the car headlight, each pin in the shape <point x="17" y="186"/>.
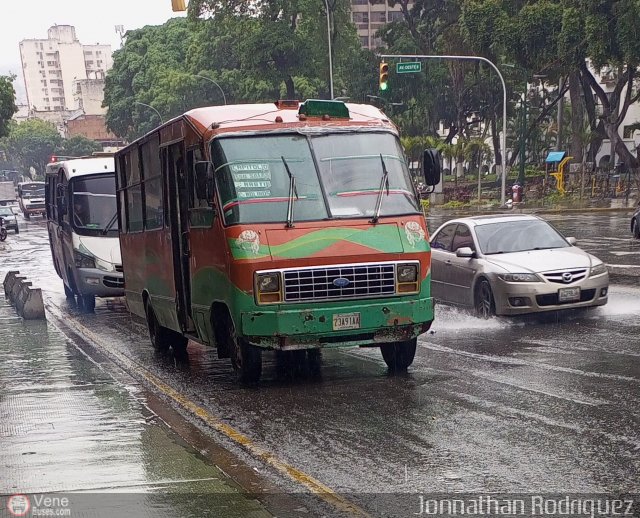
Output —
<point x="83" y="261"/>
<point x="407" y="272"/>
<point x="519" y="277"/>
<point x="598" y="269"/>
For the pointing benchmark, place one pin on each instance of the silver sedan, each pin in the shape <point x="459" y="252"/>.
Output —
<point x="511" y="265"/>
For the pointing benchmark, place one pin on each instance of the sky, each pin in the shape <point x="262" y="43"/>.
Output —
<point x="94" y="21"/>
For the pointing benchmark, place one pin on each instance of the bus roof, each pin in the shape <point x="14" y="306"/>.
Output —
<point x="83" y="166"/>
<point x="259" y="116"/>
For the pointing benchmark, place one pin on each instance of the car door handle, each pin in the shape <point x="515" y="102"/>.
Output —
<point x="448" y="262"/>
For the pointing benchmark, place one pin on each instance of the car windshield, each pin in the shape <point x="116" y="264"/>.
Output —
<point x="254" y="184"/>
<point x="93" y="204"/>
<point x="518" y="236"/>
<point x="6" y="211"/>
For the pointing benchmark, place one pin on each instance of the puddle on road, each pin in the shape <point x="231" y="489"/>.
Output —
<point x="67" y="426"/>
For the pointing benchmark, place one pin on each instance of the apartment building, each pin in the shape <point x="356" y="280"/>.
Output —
<point x="53" y="67"/>
<point x="371" y="15"/>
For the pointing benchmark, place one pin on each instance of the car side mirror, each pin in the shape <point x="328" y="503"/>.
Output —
<point x="572" y="241"/>
<point x="465" y="251"/>
<point x="431" y="167"/>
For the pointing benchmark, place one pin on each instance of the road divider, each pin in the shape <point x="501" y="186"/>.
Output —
<point x="26" y="299"/>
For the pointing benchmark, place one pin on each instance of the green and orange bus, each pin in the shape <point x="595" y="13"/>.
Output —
<point x="287" y="226"/>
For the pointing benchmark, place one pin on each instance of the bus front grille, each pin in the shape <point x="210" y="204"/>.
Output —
<point x="113" y="282"/>
<point x="339" y="282"/>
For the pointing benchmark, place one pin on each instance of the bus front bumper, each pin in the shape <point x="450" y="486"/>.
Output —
<point x="92" y="281"/>
<point x="379" y="322"/>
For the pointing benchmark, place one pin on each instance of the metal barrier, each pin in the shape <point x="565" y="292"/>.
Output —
<point x="27" y="300"/>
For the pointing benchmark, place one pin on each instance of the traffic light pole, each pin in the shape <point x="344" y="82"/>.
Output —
<point x="504" y="103"/>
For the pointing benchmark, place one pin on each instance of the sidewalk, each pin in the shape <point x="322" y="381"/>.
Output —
<point x="89" y="443"/>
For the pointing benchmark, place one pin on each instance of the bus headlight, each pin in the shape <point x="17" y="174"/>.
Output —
<point x="407" y="273"/>
<point x="83" y="261"/>
<point x="407" y="278"/>
<point x="268" y="288"/>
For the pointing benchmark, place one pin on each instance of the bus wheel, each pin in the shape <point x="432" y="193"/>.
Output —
<point x="17" y="230"/>
<point x="245" y="358"/>
<point x="160" y="337"/>
<point x="398" y="356"/>
<point x="87" y="302"/>
<point x="68" y="292"/>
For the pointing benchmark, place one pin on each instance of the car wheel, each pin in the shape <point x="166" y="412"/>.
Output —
<point x="399" y="355"/>
<point x="635" y="228"/>
<point x="485" y="304"/>
<point x="3" y="234"/>
<point x="245" y="358"/>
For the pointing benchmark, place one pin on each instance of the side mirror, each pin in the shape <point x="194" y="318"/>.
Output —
<point x="431" y="167"/>
<point x="465" y="251"/>
<point x="572" y="241"/>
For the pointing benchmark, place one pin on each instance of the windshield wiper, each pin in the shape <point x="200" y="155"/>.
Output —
<point x="384" y="182"/>
<point x="112" y="222"/>
<point x="292" y="192"/>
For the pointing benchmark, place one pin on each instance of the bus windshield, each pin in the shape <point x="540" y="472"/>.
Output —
<point x="32" y="190"/>
<point x="93" y="204"/>
<point x="254" y="184"/>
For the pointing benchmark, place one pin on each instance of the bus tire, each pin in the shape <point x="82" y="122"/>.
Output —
<point x="17" y="230"/>
<point x="26" y="215"/>
<point x="399" y="355"/>
<point x="245" y="358"/>
<point x="87" y="303"/>
<point x="160" y="337"/>
<point x="68" y="292"/>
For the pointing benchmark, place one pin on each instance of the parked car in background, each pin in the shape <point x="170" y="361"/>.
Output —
<point x="511" y="265"/>
<point x="635" y="223"/>
<point x="10" y="219"/>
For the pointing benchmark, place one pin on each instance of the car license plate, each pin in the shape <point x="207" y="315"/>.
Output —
<point x="568" y="294"/>
<point x="343" y="321"/>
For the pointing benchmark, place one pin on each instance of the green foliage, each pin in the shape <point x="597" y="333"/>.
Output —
<point x="7" y="103"/>
<point x="454" y="204"/>
<point x="281" y="54"/>
<point x="80" y="146"/>
<point x="32" y="143"/>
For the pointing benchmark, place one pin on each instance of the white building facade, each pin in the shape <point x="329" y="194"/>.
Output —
<point x="53" y="67"/>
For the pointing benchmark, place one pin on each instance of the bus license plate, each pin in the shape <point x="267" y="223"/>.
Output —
<point x="343" y="321"/>
<point x="568" y="294"/>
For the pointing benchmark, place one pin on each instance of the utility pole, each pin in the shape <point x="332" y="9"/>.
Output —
<point x="523" y="136"/>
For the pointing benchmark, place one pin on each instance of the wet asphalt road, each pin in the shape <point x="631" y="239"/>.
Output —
<point x="522" y="406"/>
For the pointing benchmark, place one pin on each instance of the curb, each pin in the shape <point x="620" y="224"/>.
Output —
<point x="27" y="300"/>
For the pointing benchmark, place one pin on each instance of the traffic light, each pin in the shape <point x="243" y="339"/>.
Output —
<point x="384" y="76"/>
<point x="178" y="5"/>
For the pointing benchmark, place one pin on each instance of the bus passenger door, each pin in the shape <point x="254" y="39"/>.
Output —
<point x="178" y="220"/>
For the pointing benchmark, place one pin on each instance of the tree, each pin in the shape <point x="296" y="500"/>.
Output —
<point x="32" y="143"/>
<point x="80" y="146"/>
<point x="7" y="103"/>
<point x="575" y="38"/>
